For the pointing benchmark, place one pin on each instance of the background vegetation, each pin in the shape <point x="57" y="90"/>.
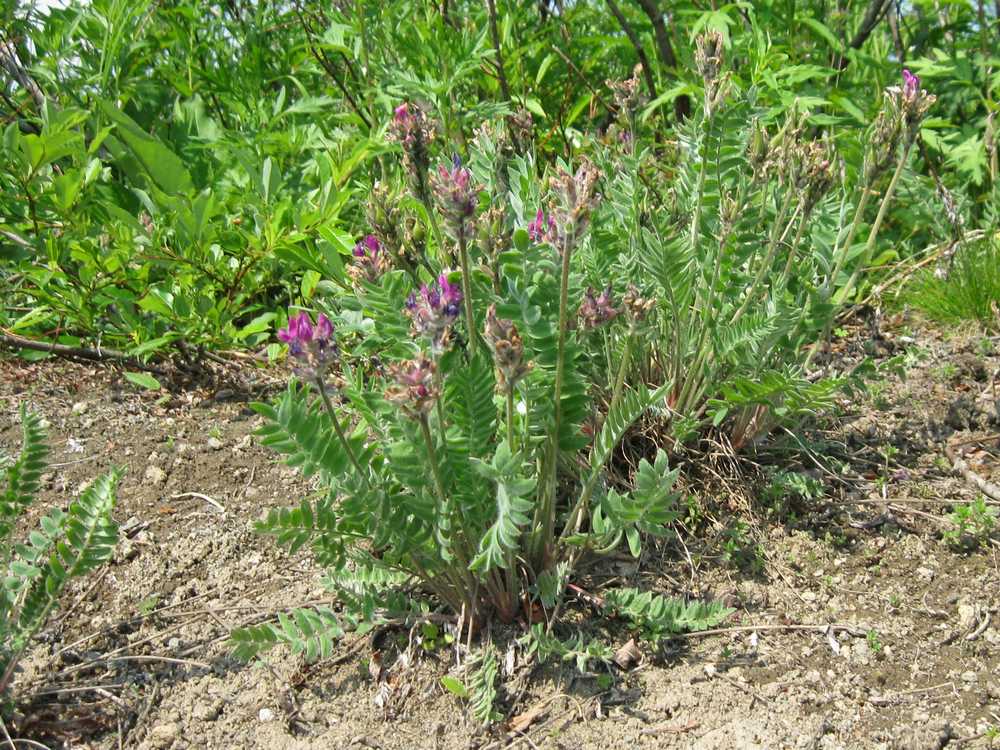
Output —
<point x="173" y="172"/>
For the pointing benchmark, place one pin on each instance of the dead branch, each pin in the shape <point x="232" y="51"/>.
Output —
<point x="958" y="464"/>
<point x="77" y="352"/>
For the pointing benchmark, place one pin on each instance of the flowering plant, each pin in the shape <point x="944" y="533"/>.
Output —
<point x="462" y="423"/>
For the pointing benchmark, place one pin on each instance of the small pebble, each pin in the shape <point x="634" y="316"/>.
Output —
<point x="163" y="735"/>
<point x="265" y="714"/>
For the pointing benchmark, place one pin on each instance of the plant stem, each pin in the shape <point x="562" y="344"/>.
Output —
<point x="339" y="430"/>
<point x="495" y="33"/>
<point x="546" y="511"/>
<point x="842" y="254"/>
<point x="435" y="228"/>
<point x="845" y="292"/>
<point x="470" y="320"/>
<point x="772" y="249"/>
<point x="436" y="472"/>
<point x="623" y="367"/>
<point x="510" y="419"/>
<point x="793" y="249"/>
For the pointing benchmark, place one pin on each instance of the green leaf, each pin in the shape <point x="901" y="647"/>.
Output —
<point x="823" y="31"/>
<point x="143" y="380"/>
<point x="454" y="686"/>
<point x="162" y="165"/>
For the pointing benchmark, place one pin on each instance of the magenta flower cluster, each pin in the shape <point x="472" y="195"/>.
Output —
<point x="542" y="228"/>
<point x="911" y="84"/>
<point x="311" y="346"/>
<point x="370" y="259"/>
<point x="434" y="309"/>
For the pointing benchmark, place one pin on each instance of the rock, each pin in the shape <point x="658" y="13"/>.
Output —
<point x="970" y="676"/>
<point x="927" y="736"/>
<point x="207" y="711"/>
<point x="925" y="574"/>
<point x="163" y="735"/>
<point x="80" y="407"/>
<point x="214" y="443"/>
<point x="127" y="550"/>
<point x="155" y="474"/>
<point x="967" y="616"/>
<point x="265" y="714"/>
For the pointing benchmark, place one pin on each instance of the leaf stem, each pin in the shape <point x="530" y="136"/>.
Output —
<point x="623" y="367"/>
<point x="340" y="430"/>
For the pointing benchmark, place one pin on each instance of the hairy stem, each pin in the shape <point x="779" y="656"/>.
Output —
<point x="510" y="419"/>
<point x="772" y="250"/>
<point x="545" y="512"/>
<point x="470" y="320"/>
<point x="340" y="430"/>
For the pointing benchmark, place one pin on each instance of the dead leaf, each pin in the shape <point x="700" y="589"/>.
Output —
<point x="375" y="666"/>
<point x="522" y="721"/>
<point x="831" y="638"/>
<point x="628" y="655"/>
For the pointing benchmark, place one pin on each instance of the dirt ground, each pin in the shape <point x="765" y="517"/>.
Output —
<point x="137" y="657"/>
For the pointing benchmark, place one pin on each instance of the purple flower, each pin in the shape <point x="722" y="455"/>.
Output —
<point x="370" y="259"/>
<point x="542" y="228"/>
<point x="911" y="84"/>
<point x="434" y="309"/>
<point x="312" y="346"/>
<point x="402" y="115"/>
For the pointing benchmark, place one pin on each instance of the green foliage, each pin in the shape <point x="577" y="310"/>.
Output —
<point x="966" y="289"/>
<point x="972" y="524"/>
<point x="68" y="544"/>
<point x="543" y="645"/>
<point x="658" y="617"/>
<point x="168" y="176"/>
<point x="311" y="632"/>
<point x="483" y="686"/>
<point x="466" y="409"/>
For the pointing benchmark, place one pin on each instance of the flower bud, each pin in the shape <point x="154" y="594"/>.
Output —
<point x="596" y="310"/>
<point x="414" y="389"/>
<point x="577" y="198"/>
<point x="542" y="229"/>
<point x="508" y="350"/>
<point x="457" y="197"/>
<point x="411" y="129"/>
<point x="637" y="307"/>
<point x="370" y="260"/>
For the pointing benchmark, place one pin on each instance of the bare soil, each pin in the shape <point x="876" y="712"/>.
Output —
<point x="138" y="655"/>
